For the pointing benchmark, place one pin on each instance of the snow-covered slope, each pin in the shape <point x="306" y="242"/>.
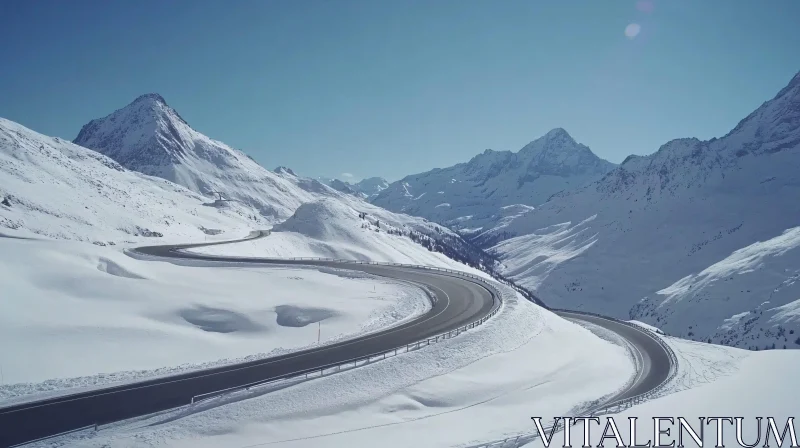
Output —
<point x="678" y="230"/>
<point x="761" y="280"/>
<point x="150" y="137"/>
<point x="714" y="381"/>
<point x="53" y="188"/>
<point x="469" y="195"/>
<point x="359" y="231"/>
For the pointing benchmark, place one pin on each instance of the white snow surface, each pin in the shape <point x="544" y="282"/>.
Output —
<point x="763" y="279"/>
<point x="686" y="239"/>
<point x="333" y="229"/>
<point x="483" y="383"/>
<point x="481" y="187"/>
<point x="75" y="315"/>
<point x="371" y="186"/>
<point x="646" y="326"/>
<point x="714" y="381"/>
<point x="150" y="137"/>
<point x="55" y="189"/>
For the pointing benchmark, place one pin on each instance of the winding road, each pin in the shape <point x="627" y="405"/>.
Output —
<point x="458" y="301"/>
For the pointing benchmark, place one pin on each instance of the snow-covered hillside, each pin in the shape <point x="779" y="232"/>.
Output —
<point x="762" y="280"/>
<point x="356" y="230"/>
<point x="702" y="232"/>
<point x="150" y="137"/>
<point x="469" y="195"/>
<point x="53" y="188"/>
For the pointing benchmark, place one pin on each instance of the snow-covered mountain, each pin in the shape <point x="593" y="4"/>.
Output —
<point x="365" y="189"/>
<point x="53" y="188"/>
<point x="150" y="137"/>
<point x="698" y="238"/>
<point x="62" y="190"/>
<point x="469" y="196"/>
<point x="371" y="186"/>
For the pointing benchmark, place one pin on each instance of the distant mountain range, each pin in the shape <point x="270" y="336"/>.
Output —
<point x="699" y="238"/>
<point x="473" y="196"/>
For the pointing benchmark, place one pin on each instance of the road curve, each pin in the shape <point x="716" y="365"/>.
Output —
<point x="654" y="362"/>
<point x="459" y="301"/>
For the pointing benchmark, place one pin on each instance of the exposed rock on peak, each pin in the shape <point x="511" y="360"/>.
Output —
<point x="284" y="170"/>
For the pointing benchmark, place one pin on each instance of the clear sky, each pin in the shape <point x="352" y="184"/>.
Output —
<point x="395" y="87"/>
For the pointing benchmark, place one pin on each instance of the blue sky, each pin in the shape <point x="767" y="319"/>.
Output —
<point x="391" y="88"/>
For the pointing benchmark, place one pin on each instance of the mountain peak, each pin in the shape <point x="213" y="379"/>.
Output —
<point x="555" y="140"/>
<point x="558" y="133"/>
<point x="153" y="97"/>
<point x="552" y="143"/>
<point x="147" y="135"/>
<point x="284" y="170"/>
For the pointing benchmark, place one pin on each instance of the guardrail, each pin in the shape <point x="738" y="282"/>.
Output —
<point x="350" y="363"/>
<point x="614" y="406"/>
<point x="515" y="441"/>
<point x="318" y="372"/>
<point x="71" y="431"/>
<point x="625" y="403"/>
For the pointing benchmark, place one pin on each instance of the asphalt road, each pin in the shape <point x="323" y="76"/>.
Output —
<point x="654" y="361"/>
<point x="458" y="302"/>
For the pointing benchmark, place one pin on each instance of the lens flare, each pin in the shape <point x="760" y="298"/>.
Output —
<point x="632" y="30"/>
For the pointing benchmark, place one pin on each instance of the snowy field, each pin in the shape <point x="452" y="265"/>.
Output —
<point x="78" y="315"/>
<point x="484" y="383"/>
